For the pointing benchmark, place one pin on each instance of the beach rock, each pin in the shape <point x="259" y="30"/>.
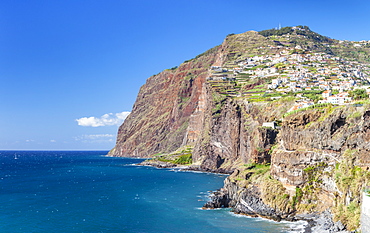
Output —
<point x="324" y="223"/>
<point x="158" y="164"/>
<point x="219" y="199"/>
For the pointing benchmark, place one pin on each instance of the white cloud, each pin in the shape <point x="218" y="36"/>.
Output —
<point x="52" y="140"/>
<point x="105" y="120"/>
<point x="96" y="138"/>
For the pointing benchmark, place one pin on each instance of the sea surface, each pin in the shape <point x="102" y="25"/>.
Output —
<point x="85" y="191"/>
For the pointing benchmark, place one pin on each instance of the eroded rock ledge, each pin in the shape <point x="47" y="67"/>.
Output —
<point x="161" y="164"/>
<point x="249" y="202"/>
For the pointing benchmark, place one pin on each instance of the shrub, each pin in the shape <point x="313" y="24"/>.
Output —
<point x="358" y="94"/>
<point x="184" y="159"/>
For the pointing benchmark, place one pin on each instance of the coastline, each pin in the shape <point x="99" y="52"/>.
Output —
<point x="315" y="222"/>
<point x="195" y="168"/>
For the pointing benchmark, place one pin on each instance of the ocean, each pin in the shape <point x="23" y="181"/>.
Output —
<point x="85" y="191"/>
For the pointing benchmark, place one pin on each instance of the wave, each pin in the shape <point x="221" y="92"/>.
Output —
<point x="293" y="227"/>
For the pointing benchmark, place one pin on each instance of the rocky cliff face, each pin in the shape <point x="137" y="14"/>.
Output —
<point x="170" y="109"/>
<point x="234" y="136"/>
<point x="164" y="116"/>
<point x="319" y="162"/>
<point x="312" y="137"/>
<point x="325" y="154"/>
<point x="316" y="159"/>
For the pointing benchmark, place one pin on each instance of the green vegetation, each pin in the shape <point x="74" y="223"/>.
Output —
<point x="250" y="173"/>
<point x="273" y="148"/>
<point x="257" y="90"/>
<point x="314" y="95"/>
<point x="273" y="192"/>
<point x="182" y="156"/>
<point x="307" y="196"/>
<point x="297" y="198"/>
<point x="183" y="101"/>
<point x="274" y="195"/>
<point x="257" y="166"/>
<point x="347" y="50"/>
<point x="363" y="102"/>
<point x="156" y="155"/>
<point x="173" y="68"/>
<point x="219" y="101"/>
<point x="260" y="149"/>
<point x="280" y="65"/>
<point x="276" y="32"/>
<point x="300" y="31"/>
<point x="350" y="180"/>
<point x="355" y="114"/>
<point x="312" y="35"/>
<point x="258" y="67"/>
<point x="184" y="159"/>
<point x="313" y="176"/>
<point x="312" y="69"/>
<point x="328" y="111"/>
<point x="359" y="94"/>
<point x="315" y="106"/>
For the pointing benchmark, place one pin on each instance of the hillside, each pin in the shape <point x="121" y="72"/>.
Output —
<point x="285" y="112"/>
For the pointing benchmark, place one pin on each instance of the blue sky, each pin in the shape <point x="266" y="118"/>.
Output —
<point x="70" y="70"/>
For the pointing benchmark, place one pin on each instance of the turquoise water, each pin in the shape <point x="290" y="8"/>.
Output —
<point x="88" y="192"/>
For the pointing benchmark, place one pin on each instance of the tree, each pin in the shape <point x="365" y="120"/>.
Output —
<point x="358" y="94"/>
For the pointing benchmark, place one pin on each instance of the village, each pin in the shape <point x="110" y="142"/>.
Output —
<point x="293" y="70"/>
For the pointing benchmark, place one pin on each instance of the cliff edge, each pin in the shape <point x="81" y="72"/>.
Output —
<point x="285" y="112"/>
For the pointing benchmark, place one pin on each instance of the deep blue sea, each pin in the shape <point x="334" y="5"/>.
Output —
<point x="50" y="191"/>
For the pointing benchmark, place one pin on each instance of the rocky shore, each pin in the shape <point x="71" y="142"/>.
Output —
<point x="158" y="164"/>
<point x="161" y="164"/>
<point x="249" y="202"/>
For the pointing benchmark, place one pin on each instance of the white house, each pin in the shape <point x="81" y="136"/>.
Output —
<point x="340" y="98"/>
<point x="276" y="81"/>
<point x="326" y="94"/>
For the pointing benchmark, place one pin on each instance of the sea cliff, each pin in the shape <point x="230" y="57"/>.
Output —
<point x="255" y="107"/>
